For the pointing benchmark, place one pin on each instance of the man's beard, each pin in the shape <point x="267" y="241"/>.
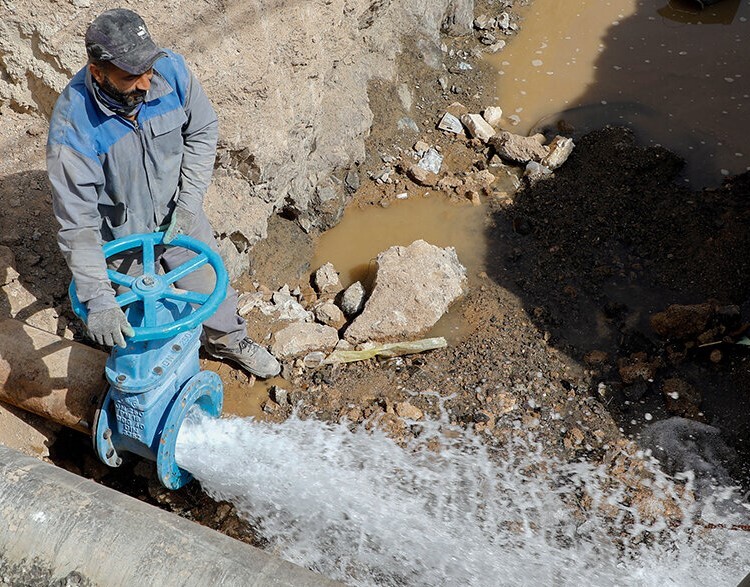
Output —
<point x="129" y="100"/>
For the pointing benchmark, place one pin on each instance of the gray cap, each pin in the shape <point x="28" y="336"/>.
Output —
<point x="120" y="36"/>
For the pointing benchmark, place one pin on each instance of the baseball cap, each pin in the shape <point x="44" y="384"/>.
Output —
<point x="120" y="36"/>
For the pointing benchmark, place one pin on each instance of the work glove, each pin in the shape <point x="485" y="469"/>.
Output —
<point x="182" y="222"/>
<point x="109" y="327"/>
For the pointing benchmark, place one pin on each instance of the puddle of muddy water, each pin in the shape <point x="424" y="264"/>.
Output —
<point x="673" y="73"/>
<point x="355" y="242"/>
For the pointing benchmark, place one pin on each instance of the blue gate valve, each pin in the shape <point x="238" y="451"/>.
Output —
<point x="156" y="380"/>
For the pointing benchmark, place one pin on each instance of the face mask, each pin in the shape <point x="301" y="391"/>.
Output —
<point x="125" y="103"/>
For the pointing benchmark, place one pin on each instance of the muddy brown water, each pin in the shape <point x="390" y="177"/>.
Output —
<point x="676" y="75"/>
<point x="355" y="242"/>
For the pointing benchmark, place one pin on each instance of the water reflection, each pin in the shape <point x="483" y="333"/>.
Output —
<point x="692" y="12"/>
<point x="659" y="70"/>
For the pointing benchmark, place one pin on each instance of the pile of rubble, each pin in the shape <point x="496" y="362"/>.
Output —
<point x="413" y="288"/>
<point x="506" y="158"/>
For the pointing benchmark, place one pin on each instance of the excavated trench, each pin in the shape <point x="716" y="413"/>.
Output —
<point x="564" y="275"/>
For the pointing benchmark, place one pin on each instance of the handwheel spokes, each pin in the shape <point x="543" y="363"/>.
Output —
<point x="188" y="267"/>
<point x="191" y="297"/>
<point x="126" y="298"/>
<point x="149" y="312"/>
<point x="148" y="256"/>
<point x="120" y="278"/>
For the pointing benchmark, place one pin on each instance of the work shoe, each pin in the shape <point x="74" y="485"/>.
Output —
<point x="252" y="357"/>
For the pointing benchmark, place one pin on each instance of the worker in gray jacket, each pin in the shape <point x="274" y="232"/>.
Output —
<point x="131" y="149"/>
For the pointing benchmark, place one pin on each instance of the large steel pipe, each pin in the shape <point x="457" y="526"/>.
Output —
<point x="69" y="524"/>
<point x="58" y="379"/>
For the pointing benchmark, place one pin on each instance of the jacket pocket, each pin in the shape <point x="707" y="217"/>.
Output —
<point x="116" y="221"/>
<point x="167" y="144"/>
<point x="166" y="123"/>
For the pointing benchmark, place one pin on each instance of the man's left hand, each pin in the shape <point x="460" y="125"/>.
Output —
<point x="182" y="222"/>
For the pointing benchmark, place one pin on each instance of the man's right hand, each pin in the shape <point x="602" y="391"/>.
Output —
<point x="109" y="327"/>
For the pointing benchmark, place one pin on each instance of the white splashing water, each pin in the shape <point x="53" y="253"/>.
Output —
<point x="360" y="509"/>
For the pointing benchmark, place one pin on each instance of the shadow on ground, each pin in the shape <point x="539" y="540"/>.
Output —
<point x="612" y="239"/>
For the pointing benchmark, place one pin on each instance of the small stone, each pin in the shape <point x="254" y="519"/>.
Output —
<point x="422" y="176"/>
<point x="484" y="23"/>
<point x="493" y="115"/>
<point x="484" y="178"/>
<point x="443" y="84"/>
<point x="344" y="345"/>
<point x="535" y="171"/>
<point x="279" y="395"/>
<point x="329" y="314"/>
<point x="407" y="123"/>
<point x="352" y="180"/>
<point x="487" y="39"/>
<point x="474" y="198"/>
<point x="559" y="150"/>
<point x="270" y="407"/>
<point x="496" y="47"/>
<point x="478" y="127"/>
<point x="517" y="148"/>
<point x="326" y="279"/>
<point x="431" y="161"/>
<point x="503" y="21"/>
<point x="353" y="299"/>
<point x="408" y="411"/>
<point x="715" y="356"/>
<point x="421" y="147"/>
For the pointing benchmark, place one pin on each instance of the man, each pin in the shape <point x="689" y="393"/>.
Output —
<point x="131" y="149"/>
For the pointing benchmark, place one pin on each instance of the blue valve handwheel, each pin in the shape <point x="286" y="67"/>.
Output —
<point x="151" y="287"/>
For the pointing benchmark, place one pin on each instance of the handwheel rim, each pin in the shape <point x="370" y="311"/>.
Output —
<point x="161" y="290"/>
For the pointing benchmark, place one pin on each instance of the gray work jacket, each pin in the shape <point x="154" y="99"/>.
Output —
<point x="112" y="177"/>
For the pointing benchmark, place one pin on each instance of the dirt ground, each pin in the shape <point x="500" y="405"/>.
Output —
<point x="558" y="335"/>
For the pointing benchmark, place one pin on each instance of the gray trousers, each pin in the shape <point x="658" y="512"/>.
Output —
<point x="225" y="329"/>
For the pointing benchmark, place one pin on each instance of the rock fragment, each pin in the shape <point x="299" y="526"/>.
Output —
<point x="413" y="288"/>
<point x="329" y="314"/>
<point x="326" y="280"/>
<point x="559" y="150"/>
<point x="517" y="148"/>
<point x="353" y="299"/>
<point x="478" y="127"/>
<point x="431" y="161"/>
<point x="301" y="338"/>
<point x="408" y="411"/>
<point x="421" y="176"/>
<point x="493" y="115"/>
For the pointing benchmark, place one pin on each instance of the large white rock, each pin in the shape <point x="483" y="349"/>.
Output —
<point x="413" y="288"/>
<point x="301" y="338"/>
